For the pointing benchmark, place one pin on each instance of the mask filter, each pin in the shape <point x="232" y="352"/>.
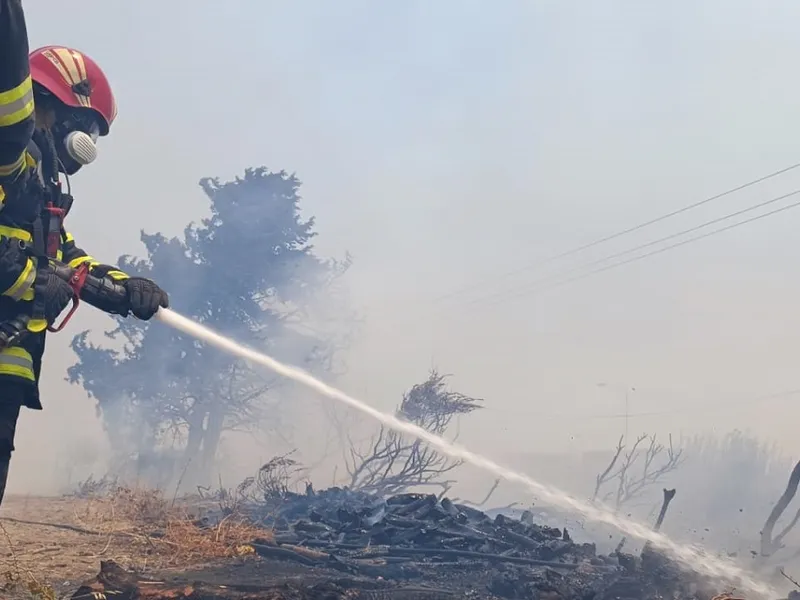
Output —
<point x="80" y="147"/>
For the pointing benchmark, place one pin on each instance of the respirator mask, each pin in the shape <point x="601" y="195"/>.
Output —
<point x="75" y="136"/>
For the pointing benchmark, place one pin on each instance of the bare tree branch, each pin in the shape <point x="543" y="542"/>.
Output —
<point x="394" y="463"/>
<point x="637" y="469"/>
<point x="605" y="476"/>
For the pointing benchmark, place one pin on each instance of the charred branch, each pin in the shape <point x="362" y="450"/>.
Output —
<point x="668" y="496"/>
<point x="769" y="545"/>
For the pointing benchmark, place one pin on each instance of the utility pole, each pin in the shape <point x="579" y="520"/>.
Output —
<point x="627" y="413"/>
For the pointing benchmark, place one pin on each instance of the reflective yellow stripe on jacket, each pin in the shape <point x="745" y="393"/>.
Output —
<point x="118" y="275"/>
<point x="10" y="169"/>
<point x="16" y="104"/>
<point x="77" y="261"/>
<point x="23" y="287"/>
<point x="21" y="234"/>
<point x="17" y="362"/>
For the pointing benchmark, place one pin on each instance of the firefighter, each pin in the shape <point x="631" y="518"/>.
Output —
<point x="54" y="105"/>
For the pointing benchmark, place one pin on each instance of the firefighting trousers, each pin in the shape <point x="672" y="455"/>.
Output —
<point x="9" y="414"/>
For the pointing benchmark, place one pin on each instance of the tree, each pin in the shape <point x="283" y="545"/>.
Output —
<point x="248" y="270"/>
<point x="636" y="469"/>
<point x="393" y="463"/>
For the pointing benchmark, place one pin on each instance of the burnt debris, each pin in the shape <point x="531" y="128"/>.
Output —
<point x="417" y="546"/>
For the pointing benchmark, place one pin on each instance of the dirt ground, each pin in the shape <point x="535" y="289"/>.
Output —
<point x="59" y="542"/>
<point x="49" y="546"/>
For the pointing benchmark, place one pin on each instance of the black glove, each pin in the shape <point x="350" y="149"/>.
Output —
<point x="57" y="296"/>
<point x="144" y="297"/>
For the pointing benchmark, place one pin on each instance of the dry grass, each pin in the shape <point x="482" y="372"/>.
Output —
<point x="49" y="545"/>
<point x="168" y="533"/>
<point x="190" y="544"/>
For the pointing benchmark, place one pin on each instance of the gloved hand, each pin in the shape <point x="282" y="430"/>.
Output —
<point x="57" y="296"/>
<point x="144" y="297"/>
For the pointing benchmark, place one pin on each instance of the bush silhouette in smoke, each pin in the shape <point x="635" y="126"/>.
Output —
<point x="249" y="269"/>
<point x="392" y="463"/>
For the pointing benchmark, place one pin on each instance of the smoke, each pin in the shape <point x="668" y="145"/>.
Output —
<point x="445" y="145"/>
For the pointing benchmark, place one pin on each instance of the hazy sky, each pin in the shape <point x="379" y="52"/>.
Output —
<point x="446" y="143"/>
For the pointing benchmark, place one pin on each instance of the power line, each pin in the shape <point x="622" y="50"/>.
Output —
<point x="538" y="263"/>
<point x="526" y="291"/>
<point x="581" y="267"/>
<point x="723" y="406"/>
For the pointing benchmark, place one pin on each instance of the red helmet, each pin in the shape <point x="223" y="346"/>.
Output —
<point x="76" y="80"/>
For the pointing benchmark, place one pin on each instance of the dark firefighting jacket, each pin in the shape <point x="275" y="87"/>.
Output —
<point x="28" y="183"/>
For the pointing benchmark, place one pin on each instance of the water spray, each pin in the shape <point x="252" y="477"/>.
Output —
<point x="691" y="557"/>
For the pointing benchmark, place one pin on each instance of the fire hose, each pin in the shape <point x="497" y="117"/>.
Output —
<point x="84" y="286"/>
